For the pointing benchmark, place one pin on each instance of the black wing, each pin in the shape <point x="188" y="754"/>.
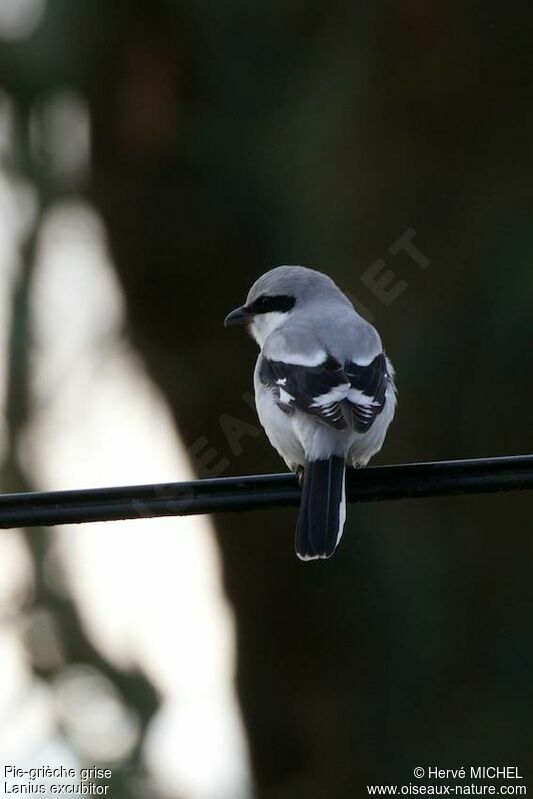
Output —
<point x="317" y="390"/>
<point x="368" y="389"/>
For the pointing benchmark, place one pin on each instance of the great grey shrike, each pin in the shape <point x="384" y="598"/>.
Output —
<point x="324" y="391"/>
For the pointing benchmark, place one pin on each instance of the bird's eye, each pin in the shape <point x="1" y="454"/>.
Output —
<point x="260" y="305"/>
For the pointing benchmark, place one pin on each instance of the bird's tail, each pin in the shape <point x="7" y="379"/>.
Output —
<point x="322" y="509"/>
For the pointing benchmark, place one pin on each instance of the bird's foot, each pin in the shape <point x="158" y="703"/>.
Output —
<point x="300" y="475"/>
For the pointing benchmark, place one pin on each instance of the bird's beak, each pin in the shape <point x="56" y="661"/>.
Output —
<point x="238" y="317"/>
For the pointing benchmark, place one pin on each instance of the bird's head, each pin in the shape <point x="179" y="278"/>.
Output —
<point x="275" y="296"/>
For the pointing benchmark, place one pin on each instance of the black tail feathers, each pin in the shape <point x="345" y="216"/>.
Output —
<point x="322" y="509"/>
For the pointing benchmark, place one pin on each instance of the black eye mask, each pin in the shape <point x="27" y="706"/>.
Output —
<point x="266" y="304"/>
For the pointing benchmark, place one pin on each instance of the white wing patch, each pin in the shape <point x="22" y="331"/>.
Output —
<point x="358" y="397"/>
<point x="278" y="352"/>
<point x="284" y="397"/>
<point x="365" y="360"/>
<point x="334" y="395"/>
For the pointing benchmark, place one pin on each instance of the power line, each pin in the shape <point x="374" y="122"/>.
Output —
<point x="402" y="481"/>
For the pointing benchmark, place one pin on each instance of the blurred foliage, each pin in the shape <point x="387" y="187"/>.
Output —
<point x="231" y="137"/>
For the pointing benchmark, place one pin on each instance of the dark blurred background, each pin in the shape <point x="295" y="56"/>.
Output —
<point x="227" y="138"/>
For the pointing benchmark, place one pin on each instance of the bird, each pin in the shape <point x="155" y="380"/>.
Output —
<point x="324" y="390"/>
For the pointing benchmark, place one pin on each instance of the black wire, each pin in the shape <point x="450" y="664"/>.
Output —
<point x="411" y="480"/>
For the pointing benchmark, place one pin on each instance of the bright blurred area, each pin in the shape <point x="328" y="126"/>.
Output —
<point x="155" y="158"/>
<point x="148" y="596"/>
